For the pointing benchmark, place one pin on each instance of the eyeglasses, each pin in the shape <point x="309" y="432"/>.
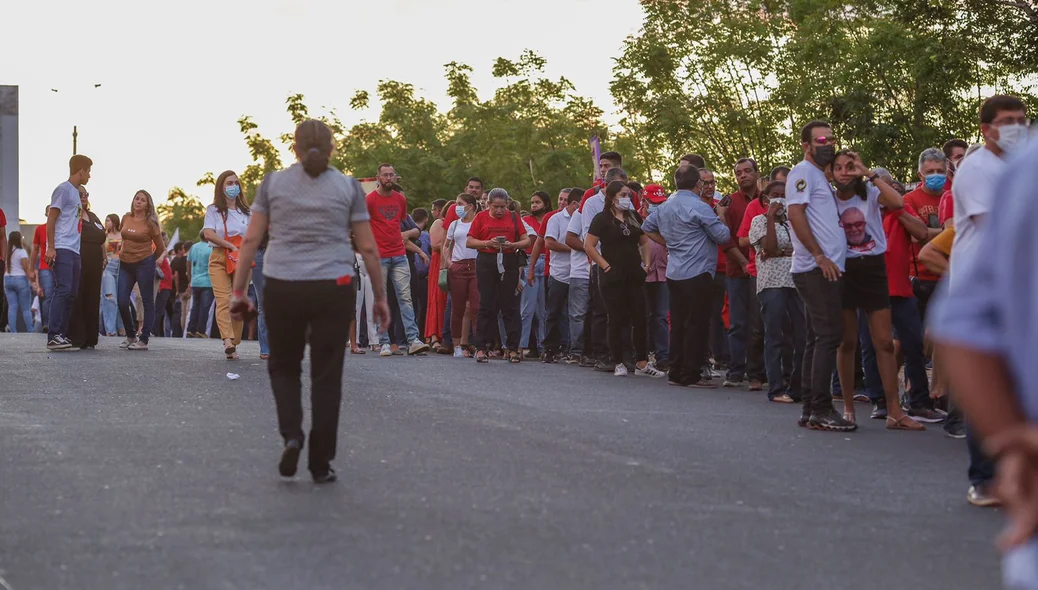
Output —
<point x="709" y="183"/>
<point x="1012" y="121"/>
<point x="624" y="229"/>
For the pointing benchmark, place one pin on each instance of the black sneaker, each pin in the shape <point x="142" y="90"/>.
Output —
<point x="290" y="458"/>
<point x="831" y="421"/>
<point x="59" y="342"/>
<point x="926" y="415"/>
<point x="549" y="358"/>
<point x="587" y="362"/>
<point x="327" y="477"/>
<point x="803" y="420"/>
<point x="879" y="411"/>
<point x="604" y="367"/>
<point x="955" y="430"/>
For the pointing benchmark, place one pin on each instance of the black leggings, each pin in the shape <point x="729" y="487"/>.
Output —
<point x="625" y="305"/>
<point x="326" y="315"/>
<point x="497" y="293"/>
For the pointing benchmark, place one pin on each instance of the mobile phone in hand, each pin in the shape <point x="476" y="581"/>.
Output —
<point x="725" y="202"/>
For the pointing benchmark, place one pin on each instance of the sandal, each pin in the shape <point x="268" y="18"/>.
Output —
<point x="481" y="357"/>
<point x="905" y="422"/>
<point x="515" y="357"/>
<point x="264" y="356"/>
<point x="850" y="417"/>
<point x="782" y="399"/>
<point x="358" y="351"/>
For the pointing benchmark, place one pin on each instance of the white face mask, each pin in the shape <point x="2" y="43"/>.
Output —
<point x="1011" y="137"/>
<point x="624" y="203"/>
<point x="459" y="210"/>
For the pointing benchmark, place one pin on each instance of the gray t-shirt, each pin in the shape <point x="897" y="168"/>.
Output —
<point x="309" y="223"/>
<point x="67" y="229"/>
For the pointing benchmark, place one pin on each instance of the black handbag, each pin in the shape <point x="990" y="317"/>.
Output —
<point x="524" y="258"/>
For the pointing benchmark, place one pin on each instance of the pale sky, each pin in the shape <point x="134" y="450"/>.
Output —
<point x="176" y="76"/>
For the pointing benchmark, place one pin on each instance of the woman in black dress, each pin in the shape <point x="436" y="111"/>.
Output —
<point x="84" y="326"/>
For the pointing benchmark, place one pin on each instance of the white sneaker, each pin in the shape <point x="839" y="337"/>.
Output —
<point x="457" y="353"/>
<point x="138" y="345"/>
<point x="620" y="371"/>
<point x="126" y="343"/>
<point x="386" y="351"/>
<point x="417" y="346"/>
<point x="649" y="371"/>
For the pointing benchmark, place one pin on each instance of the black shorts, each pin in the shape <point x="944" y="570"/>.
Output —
<point x="865" y="284"/>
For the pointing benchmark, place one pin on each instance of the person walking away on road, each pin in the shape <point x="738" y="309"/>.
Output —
<point x="142" y="249"/>
<point x="770" y="235"/>
<point x="201" y="289"/>
<point x="819" y="254"/>
<point x="624" y="256"/>
<point x="225" y="223"/>
<point x="461" y="274"/>
<point x="41" y="277"/>
<point x="16" y="284"/>
<point x="310" y="209"/>
<point x="63" y="229"/>
<point x="84" y="327"/>
<point x="387" y="209"/>
<point x="498" y="235"/>
<point x="691" y="230"/>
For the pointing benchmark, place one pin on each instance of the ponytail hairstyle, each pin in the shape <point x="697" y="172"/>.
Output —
<point x="858" y="185"/>
<point x="313" y="146"/>
<point x="612" y="192"/>
<point x="220" y="199"/>
<point x="14" y="242"/>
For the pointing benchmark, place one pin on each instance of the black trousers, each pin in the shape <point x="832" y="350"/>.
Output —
<point x="625" y="303"/>
<point x="558" y="312"/>
<point x="598" y="330"/>
<point x="497" y="295"/>
<point x="689" y="327"/>
<point x="161" y="311"/>
<point x="755" y="338"/>
<point x="84" y="327"/>
<point x="326" y="314"/>
<point x="822" y="301"/>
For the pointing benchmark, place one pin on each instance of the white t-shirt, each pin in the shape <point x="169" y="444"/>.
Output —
<point x="579" y="267"/>
<point x="862" y="223"/>
<point x="556" y="229"/>
<point x="593" y="206"/>
<point x="458" y="232"/>
<point x="237" y="222"/>
<point x="67" y="228"/>
<point x="16" y="263"/>
<point x="807" y="185"/>
<point x="973" y="192"/>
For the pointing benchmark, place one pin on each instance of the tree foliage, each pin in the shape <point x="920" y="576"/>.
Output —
<point x="182" y="211"/>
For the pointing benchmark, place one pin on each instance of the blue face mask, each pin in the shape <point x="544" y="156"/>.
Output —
<point x="459" y="210"/>
<point x="935" y="182"/>
<point x="232" y="191"/>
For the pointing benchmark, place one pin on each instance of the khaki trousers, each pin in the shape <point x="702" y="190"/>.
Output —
<point x="229" y="328"/>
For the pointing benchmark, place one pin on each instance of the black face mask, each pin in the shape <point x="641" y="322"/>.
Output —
<point x="844" y="188"/>
<point x="824" y="155"/>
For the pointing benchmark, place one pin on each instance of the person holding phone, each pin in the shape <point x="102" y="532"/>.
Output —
<point x="498" y="235"/>
<point x="309" y="198"/>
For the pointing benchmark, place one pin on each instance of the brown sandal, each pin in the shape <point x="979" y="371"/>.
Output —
<point x="905" y="422"/>
<point x="514" y="357"/>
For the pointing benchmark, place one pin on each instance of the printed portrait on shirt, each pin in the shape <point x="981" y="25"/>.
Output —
<point x="852" y="220"/>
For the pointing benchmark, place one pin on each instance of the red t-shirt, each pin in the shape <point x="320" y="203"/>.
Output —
<point x="540" y="231"/>
<point x="39" y="239"/>
<point x="946" y="208"/>
<point x="487" y="227"/>
<point x="536" y="225"/>
<point x="899" y="252"/>
<point x="925" y="207"/>
<point x="3" y="219"/>
<point x="387" y="213"/>
<point x="736" y="211"/>
<point x="752" y="210"/>
<point x="166" y="282"/>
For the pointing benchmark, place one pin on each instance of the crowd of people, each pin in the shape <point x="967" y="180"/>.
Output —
<point x="793" y="284"/>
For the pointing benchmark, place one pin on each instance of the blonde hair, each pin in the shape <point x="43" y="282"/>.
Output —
<point x="149" y="214"/>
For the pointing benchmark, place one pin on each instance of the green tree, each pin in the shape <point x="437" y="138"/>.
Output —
<point x="182" y="211"/>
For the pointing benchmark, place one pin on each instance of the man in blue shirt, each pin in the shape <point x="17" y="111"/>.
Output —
<point x="691" y="231"/>
<point x="988" y="328"/>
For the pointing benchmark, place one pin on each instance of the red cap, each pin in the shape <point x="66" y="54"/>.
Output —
<point x="654" y="194"/>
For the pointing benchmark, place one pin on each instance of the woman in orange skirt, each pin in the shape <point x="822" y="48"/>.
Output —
<point x="437" y="299"/>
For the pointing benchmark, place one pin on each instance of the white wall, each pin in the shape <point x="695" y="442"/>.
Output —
<point x="9" y="155"/>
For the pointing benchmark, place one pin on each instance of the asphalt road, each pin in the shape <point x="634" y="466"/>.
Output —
<point x="152" y="470"/>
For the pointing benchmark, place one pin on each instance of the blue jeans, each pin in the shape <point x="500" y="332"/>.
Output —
<point x="578" y="308"/>
<point x="533" y="304"/>
<point x="738" y="329"/>
<point x="658" y="299"/>
<point x="778" y="306"/>
<point x="399" y="273"/>
<point x="143" y="275"/>
<point x="66" y="268"/>
<point x="261" y="321"/>
<point x="19" y="301"/>
<point x="47" y="282"/>
<point x="202" y="300"/>
<point x="109" y="293"/>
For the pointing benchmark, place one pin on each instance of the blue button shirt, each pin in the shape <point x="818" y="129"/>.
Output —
<point x="692" y="232"/>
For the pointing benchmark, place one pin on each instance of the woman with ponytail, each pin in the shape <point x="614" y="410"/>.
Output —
<point x="309" y="211"/>
<point x="225" y="223"/>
